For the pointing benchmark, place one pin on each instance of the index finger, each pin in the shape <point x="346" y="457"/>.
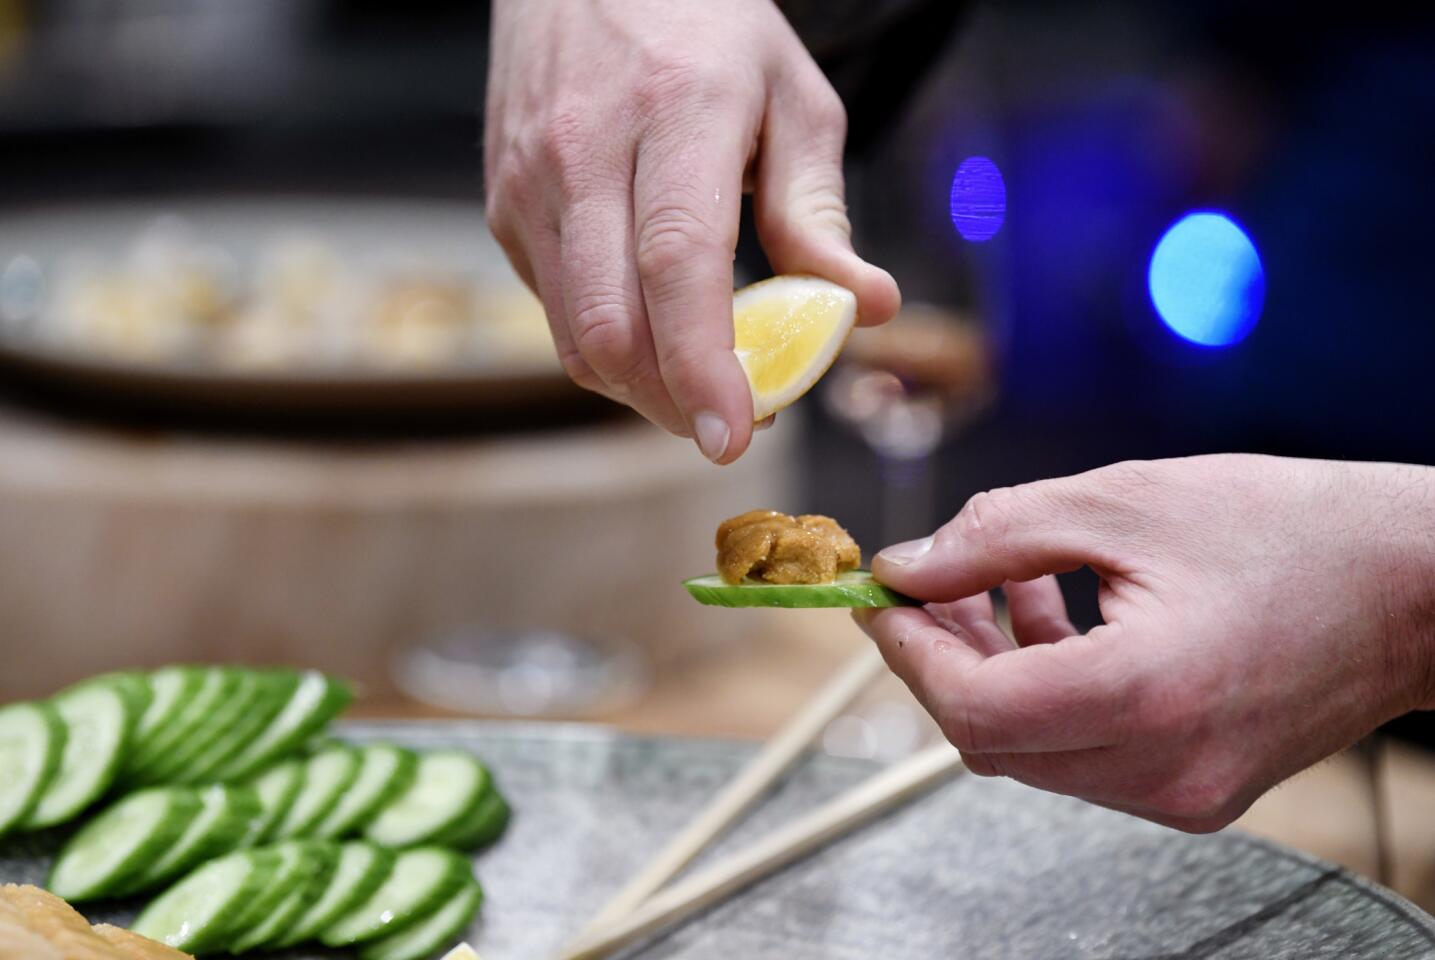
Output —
<point x="687" y="193"/>
<point x="1074" y="694"/>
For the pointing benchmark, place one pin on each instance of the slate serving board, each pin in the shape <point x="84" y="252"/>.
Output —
<point x="978" y="869"/>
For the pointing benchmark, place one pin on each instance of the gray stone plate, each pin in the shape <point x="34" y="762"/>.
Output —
<point x="978" y="869"/>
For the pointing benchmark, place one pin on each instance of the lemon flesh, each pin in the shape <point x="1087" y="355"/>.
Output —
<point x="786" y="333"/>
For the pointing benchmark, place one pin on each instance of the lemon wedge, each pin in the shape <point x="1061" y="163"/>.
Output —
<point x="786" y="333"/>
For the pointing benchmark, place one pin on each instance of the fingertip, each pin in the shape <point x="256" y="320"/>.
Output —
<point x="740" y="439"/>
<point x="893" y="565"/>
<point x="722" y="440"/>
<point x="879" y="299"/>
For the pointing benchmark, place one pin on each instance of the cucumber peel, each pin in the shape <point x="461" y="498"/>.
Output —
<point x="361" y="869"/>
<point x="855" y="588"/>
<point x="426" y="937"/>
<point x="32" y="741"/>
<point x="98" y="719"/>
<point x="121" y="842"/>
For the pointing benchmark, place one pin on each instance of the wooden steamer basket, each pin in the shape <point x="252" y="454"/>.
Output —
<point x="124" y="550"/>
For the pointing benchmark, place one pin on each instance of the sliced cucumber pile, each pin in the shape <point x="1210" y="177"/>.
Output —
<point x="385" y="772"/>
<point x="221" y="787"/>
<point x="391" y="796"/>
<point x="390" y="906"/>
<point x="115" y="847"/>
<point x="445" y="796"/>
<point x="855" y="588"/>
<point x="175" y="725"/>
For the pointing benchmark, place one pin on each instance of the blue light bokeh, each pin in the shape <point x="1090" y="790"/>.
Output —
<point x="978" y="199"/>
<point x="1206" y="280"/>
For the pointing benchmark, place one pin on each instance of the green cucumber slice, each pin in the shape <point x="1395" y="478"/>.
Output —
<point x="32" y="742"/>
<point x="361" y="869"/>
<point x="296" y="866"/>
<point x="422" y="879"/>
<point x="221" y="825"/>
<point x="197" y="913"/>
<point x="426" y="937"/>
<point x="447" y="788"/>
<point x="277" y="788"/>
<point x="133" y="684"/>
<point x="119" y="843"/>
<point x="385" y="773"/>
<point x="173" y="765"/>
<point x="322" y="858"/>
<point x="275" y="689"/>
<point x="855" y="588"/>
<point x="98" y="719"/>
<point x="171" y="690"/>
<point x="480" y="828"/>
<point x="217" y="685"/>
<point x="316" y="700"/>
<point x="327" y="775"/>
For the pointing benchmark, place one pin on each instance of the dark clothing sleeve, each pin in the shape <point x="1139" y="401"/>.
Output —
<point x="874" y="52"/>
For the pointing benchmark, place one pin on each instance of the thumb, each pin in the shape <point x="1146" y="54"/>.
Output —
<point x="798" y="199"/>
<point x="1011" y="533"/>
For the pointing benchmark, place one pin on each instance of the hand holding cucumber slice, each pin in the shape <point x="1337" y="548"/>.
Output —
<point x="855" y="588"/>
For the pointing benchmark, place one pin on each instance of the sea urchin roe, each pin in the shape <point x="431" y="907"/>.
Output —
<point x="777" y="548"/>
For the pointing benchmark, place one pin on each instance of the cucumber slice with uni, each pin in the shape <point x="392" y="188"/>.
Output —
<point x="427" y="936"/>
<point x="316" y="700"/>
<point x="361" y="869"/>
<point x="855" y="588"/>
<point x="197" y="913"/>
<point x="327" y="775"/>
<point x="98" y="719"/>
<point x="120" y="843"/>
<point x="386" y="772"/>
<point x="422" y="879"/>
<point x="32" y="742"/>
<point x="448" y="787"/>
<point x="220" y="826"/>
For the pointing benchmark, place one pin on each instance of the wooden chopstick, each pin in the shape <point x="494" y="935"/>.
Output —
<point x="880" y="793"/>
<point x="751" y="783"/>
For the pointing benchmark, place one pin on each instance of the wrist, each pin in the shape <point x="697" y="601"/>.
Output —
<point x="1404" y="532"/>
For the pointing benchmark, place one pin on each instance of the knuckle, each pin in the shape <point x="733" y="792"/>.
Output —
<point x="602" y="331"/>
<point x="562" y="140"/>
<point x="827" y="110"/>
<point x="671" y="236"/>
<point x="578" y="370"/>
<point x="959" y="724"/>
<point x="979" y="765"/>
<point x="667" y="82"/>
<point x="987" y="517"/>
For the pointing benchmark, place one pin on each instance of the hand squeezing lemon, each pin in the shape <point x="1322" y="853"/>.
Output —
<point x="787" y="331"/>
